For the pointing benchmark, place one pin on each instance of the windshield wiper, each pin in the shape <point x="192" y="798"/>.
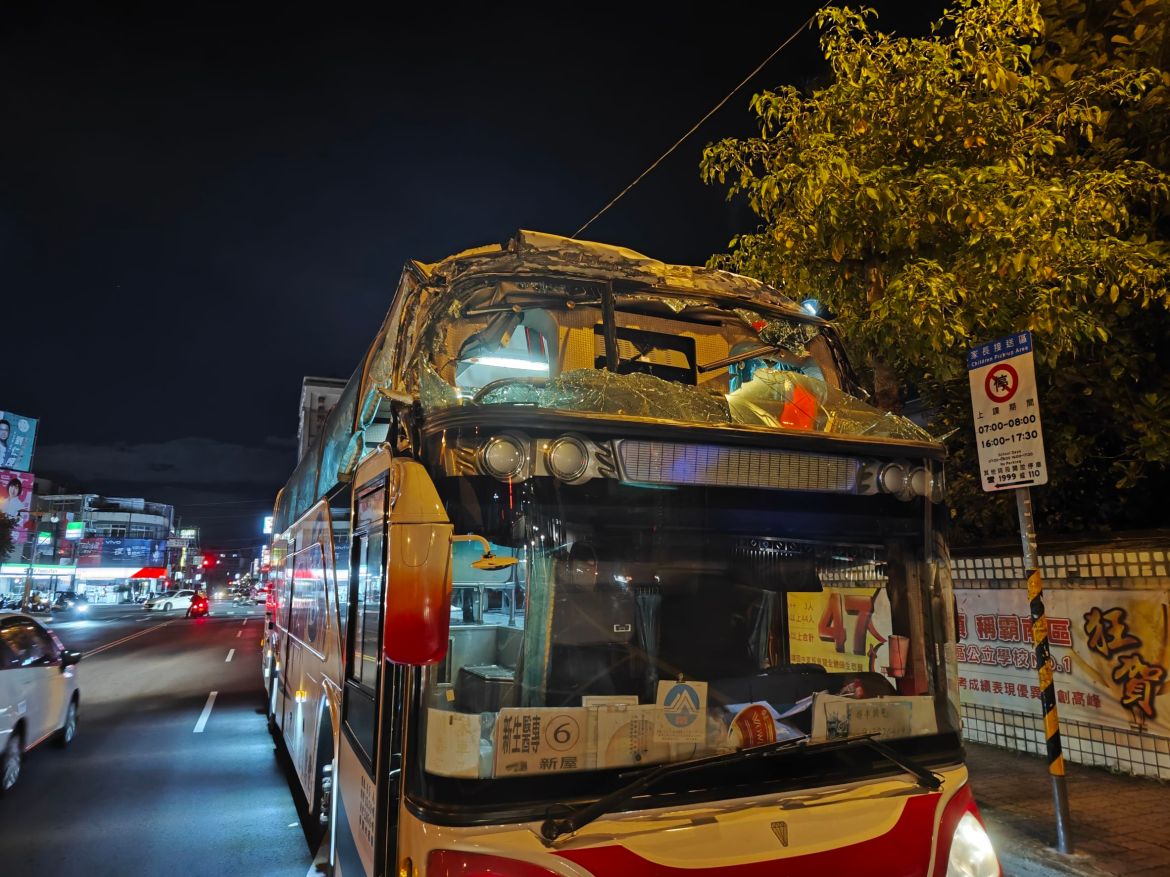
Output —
<point x="927" y="779"/>
<point x="554" y="828"/>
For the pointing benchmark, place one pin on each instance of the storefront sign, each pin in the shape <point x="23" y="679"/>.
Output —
<point x="1110" y="654"/>
<point x="99" y="550"/>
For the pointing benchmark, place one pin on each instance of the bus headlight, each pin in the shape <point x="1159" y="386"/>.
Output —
<point x="503" y="456"/>
<point x="971" y="852"/>
<point x="892" y="478"/>
<point x="567" y="458"/>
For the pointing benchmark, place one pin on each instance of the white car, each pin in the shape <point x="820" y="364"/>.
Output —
<point x="170" y="600"/>
<point x="39" y="693"/>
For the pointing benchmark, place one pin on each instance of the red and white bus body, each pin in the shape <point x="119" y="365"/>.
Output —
<point x="878" y="827"/>
<point x="612" y="572"/>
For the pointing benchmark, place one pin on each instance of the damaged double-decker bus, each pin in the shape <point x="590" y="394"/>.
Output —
<point x="602" y="566"/>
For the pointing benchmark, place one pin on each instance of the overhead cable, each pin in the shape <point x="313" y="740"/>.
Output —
<point x="806" y="23"/>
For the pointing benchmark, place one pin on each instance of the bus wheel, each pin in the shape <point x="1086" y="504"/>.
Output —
<point x="325" y="795"/>
<point x="321" y="806"/>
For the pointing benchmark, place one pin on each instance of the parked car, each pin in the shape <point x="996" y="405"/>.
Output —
<point x="170" y="600"/>
<point x="39" y="692"/>
<point x="71" y="603"/>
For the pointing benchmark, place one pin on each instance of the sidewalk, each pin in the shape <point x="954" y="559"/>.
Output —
<point x="1118" y="821"/>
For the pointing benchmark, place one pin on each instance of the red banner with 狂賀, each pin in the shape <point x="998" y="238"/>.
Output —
<point x="1110" y="653"/>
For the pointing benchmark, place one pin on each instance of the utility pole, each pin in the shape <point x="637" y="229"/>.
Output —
<point x="1005" y="406"/>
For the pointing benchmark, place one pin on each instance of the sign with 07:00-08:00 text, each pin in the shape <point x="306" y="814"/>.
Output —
<point x="1006" y="407"/>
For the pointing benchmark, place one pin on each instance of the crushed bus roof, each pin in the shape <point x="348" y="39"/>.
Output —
<point x="430" y="294"/>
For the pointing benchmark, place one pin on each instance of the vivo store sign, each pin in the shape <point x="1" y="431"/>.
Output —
<point x="1006" y="408"/>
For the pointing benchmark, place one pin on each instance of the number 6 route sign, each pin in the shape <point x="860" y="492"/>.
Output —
<point x="1007" y="414"/>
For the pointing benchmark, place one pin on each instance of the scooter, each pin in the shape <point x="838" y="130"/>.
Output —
<point x="200" y="608"/>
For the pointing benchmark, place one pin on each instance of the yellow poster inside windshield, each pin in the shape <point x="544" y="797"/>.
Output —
<point x="842" y="629"/>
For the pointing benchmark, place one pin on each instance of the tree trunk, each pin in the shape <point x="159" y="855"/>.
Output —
<point x="885" y="382"/>
<point x="885" y="387"/>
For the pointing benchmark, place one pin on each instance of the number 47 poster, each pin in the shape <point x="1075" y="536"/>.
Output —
<point x="842" y="629"/>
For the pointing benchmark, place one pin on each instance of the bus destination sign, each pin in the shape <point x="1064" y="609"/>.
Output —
<point x="1006" y="408"/>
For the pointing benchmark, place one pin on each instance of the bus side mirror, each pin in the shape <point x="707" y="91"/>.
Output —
<point x="418" y="594"/>
<point x="489" y="562"/>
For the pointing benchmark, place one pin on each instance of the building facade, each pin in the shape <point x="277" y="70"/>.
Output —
<point x="318" y="396"/>
<point x="110" y="548"/>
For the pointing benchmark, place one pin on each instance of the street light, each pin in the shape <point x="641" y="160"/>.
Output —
<point x="54" y="519"/>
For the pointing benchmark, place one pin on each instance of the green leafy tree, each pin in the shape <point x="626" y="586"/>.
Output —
<point x="1007" y="171"/>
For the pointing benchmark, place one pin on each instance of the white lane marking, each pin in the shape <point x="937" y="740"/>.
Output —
<point x="206" y="714"/>
<point x="230" y="653"/>
<point x="242" y="623"/>
<point x="124" y="639"/>
<point x="239" y="633"/>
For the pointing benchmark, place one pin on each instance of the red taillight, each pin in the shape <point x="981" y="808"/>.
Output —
<point x="456" y="863"/>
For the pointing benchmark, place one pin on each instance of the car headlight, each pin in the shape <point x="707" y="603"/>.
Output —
<point x="971" y="852"/>
<point x="81" y="607"/>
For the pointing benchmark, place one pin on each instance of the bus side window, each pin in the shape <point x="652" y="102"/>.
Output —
<point x="365" y="637"/>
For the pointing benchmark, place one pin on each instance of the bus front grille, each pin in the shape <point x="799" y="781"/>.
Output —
<point x="650" y="462"/>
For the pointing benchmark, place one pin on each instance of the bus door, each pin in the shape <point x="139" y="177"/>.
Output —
<point x="361" y="800"/>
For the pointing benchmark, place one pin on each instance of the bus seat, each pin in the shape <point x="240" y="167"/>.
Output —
<point x="484" y="689"/>
<point x="593" y="644"/>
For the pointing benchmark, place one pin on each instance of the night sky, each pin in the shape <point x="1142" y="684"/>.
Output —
<point x="200" y="205"/>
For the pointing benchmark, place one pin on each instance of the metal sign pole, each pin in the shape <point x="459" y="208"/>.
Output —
<point x="1044" y="669"/>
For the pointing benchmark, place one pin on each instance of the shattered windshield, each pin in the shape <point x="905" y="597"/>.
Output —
<point x="688" y="360"/>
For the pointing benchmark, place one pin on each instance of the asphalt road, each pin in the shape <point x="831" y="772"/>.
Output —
<point x="163" y="779"/>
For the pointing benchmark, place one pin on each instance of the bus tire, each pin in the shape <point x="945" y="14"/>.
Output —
<point x="321" y="806"/>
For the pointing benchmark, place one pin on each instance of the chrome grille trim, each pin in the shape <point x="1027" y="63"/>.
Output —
<point x="650" y="462"/>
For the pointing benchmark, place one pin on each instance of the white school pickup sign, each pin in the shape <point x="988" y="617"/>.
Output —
<point x="1006" y="408"/>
